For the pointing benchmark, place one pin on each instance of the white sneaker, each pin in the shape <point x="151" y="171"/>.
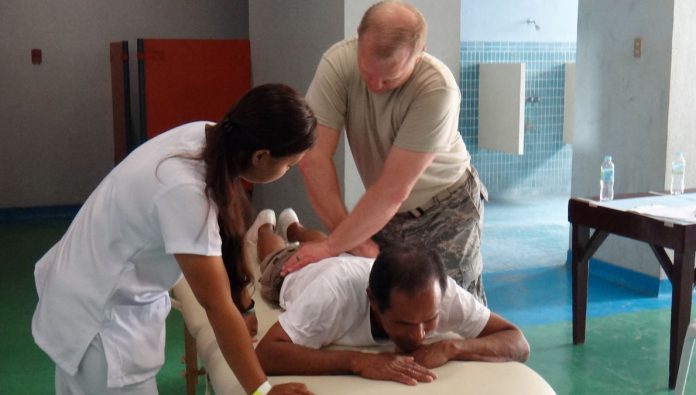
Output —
<point x="286" y="218"/>
<point x="266" y="216"/>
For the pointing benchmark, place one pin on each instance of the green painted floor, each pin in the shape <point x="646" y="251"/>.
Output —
<point x="24" y="368"/>
<point x="622" y="354"/>
<point x="625" y="353"/>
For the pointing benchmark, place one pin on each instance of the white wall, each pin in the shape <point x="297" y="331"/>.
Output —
<point x="56" y="121"/>
<point x="506" y="20"/>
<point x="622" y="106"/>
<point x="682" y="107"/>
<point x="287" y="41"/>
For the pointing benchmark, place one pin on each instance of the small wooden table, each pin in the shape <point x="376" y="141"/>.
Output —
<point x="585" y="214"/>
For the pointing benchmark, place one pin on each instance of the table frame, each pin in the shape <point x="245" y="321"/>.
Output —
<point x="585" y="214"/>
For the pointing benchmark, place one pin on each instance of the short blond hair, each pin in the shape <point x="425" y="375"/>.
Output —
<point x="393" y="29"/>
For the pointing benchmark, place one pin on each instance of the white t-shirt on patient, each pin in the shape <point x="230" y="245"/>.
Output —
<point x="110" y="273"/>
<point x="326" y="303"/>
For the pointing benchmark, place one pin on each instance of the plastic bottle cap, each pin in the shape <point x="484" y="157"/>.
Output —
<point x="607" y="157"/>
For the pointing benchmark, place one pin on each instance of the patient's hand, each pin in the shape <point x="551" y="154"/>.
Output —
<point x="431" y="355"/>
<point x="388" y="366"/>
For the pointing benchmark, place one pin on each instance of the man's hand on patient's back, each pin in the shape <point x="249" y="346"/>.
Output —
<point x="389" y="366"/>
<point x="311" y="252"/>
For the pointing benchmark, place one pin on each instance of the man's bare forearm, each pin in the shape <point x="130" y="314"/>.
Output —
<point x="321" y="182"/>
<point x="507" y="345"/>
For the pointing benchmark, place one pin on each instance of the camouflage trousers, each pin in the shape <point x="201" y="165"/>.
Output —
<point x="452" y="227"/>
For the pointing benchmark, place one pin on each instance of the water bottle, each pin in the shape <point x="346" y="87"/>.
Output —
<point x="606" y="180"/>
<point x="678" y="167"/>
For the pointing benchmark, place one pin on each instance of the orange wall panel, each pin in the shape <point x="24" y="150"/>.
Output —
<point x="191" y="80"/>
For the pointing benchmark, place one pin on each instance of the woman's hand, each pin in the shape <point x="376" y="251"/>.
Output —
<point x="308" y="253"/>
<point x="290" y="389"/>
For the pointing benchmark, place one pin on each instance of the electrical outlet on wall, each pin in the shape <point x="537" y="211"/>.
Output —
<point x="36" y="56"/>
<point x="637" y="47"/>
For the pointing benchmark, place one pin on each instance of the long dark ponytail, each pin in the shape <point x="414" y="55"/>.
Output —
<point x="271" y="117"/>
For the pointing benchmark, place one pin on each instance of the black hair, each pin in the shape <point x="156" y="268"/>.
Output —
<point x="273" y="117"/>
<point x="406" y="268"/>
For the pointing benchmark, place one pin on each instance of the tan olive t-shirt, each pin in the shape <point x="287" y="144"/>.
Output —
<point x="421" y="115"/>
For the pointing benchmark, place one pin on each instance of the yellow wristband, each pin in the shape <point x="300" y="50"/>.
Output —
<point x="263" y="389"/>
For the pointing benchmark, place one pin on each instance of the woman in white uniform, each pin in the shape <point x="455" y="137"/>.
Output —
<point x="103" y="288"/>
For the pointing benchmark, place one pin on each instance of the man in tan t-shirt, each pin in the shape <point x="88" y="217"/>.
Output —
<point x="400" y="109"/>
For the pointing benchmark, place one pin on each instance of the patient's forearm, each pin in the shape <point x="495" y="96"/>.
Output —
<point x="507" y="345"/>
<point x="284" y="358"/>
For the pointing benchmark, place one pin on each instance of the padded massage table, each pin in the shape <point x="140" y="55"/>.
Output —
<point x="455" y="377"/>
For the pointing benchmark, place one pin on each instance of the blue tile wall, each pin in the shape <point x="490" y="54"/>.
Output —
<point x="545" y="167"/>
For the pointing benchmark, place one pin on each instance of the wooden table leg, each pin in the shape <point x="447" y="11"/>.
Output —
<point x="579" y="272"/>
<point x="682" y="287"/>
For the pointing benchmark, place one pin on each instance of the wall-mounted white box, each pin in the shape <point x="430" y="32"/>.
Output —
<point x="501" y="107"/>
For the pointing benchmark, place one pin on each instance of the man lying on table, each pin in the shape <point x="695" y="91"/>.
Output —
<point x="404" y="297"/>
